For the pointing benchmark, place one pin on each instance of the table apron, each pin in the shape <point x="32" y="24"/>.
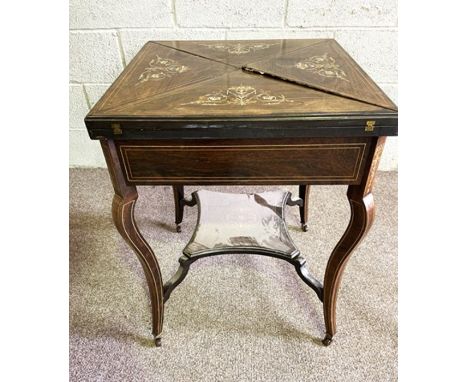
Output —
<point x="247" y="161"/>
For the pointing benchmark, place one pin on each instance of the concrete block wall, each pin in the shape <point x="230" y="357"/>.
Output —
<point x="106" y="34"/>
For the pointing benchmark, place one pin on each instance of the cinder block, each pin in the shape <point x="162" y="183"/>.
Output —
<point x="86" y="14"/>
<point x="78" y="107"/>
<point x="253" y="34"/>
<point x="134" y="39"/>
<point x="321" y="13"/>
<point x="389" y="160"/>
<point x="376" y="51"/>
<point x="94" y="56"/>
<point x="84" y="152"/>
<point x="230" y="13"/>
<point x="95" y="91"/>
<point x="391" y="91"/>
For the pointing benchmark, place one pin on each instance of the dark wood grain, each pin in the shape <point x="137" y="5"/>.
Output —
<point x="207" y="88"/>
<point x="324" y="66"/>
<point x="178" y="191"/>
<point x="243" y="112"/>
<point x="239" y="94"/>
<point x="361" y="202"/>
<point x="311" y="161"/>
<point x="156" y="70"/>
<point x="304" y="194"/>
<point x="123" y="209"/>
<point x="238" y="52"/>
<point x="286" y="126"/>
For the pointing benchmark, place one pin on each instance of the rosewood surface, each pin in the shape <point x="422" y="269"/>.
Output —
<point x="243" y="112"/>
<point x="310" y="160"/>
<point x="242" y="89"/>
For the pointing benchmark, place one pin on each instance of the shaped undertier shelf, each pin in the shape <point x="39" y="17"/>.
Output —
<point x="242" y="223"/>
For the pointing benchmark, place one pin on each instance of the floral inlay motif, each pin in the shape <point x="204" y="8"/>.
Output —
<point x="160" y="68"/>
<point x="238" y="48"/>
<point x="323" y="65"/>
<point x="239" y="95"/>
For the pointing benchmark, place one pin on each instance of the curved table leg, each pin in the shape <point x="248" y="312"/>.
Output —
<point x="361" y="202"/>
<point x="362" y="214"/>
<point x="304" y="191"/>
<point x="123" y="207"/>
<point x="178" y="191"/>
<point x="123" y="216"/>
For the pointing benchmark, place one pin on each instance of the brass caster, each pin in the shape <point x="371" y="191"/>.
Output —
<point x="178" y="228"/>
<point x="327" y="340"/>
<point x="304" y="227"/>
<point x="157" y="341"/>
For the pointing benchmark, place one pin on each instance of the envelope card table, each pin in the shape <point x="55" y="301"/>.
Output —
<point x="264" y="112"/>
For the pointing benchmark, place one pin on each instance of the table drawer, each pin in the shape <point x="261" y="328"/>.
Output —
<point x="314" y="161"/>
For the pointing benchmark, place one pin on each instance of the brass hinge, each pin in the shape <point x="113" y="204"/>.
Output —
<point x="369" y="126"/>
<point x="116" y="129"/>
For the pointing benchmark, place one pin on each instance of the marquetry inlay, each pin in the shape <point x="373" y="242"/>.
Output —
<point x="323" y="65"/>
<point x="238" y="48"/>
<point x="160" y="68"/>
<point x="239" y="95"/>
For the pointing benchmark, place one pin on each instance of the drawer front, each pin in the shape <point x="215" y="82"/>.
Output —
<point x="313" y="161"/>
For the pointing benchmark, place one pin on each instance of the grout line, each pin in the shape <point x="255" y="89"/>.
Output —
<point x="174" y="17"/>
<point x="286" y="6"/>
<point x="86" y="96"/>
<point x="121" y="49"/>
<point x="87" y="30"/>
<point x="346" y="27"/>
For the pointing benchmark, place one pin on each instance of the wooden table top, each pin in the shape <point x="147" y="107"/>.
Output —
<point x="313" y="83"/>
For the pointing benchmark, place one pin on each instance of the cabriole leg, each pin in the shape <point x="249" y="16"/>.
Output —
<point x="361" y="202"/>
<point x="124" y="220"/>
<point x="123" y="209"/>
<point x="362" y="214"/>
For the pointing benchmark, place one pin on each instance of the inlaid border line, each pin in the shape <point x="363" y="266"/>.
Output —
<point x="124" y="148"/>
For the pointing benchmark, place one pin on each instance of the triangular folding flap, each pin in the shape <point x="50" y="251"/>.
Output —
<point x="324" y="66"/>
<point x="242" y="94"/>
<point x="239" y="52"/>
<point x="157" y="70"/>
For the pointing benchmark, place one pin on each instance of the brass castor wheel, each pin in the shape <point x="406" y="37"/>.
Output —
<point x="304" y="227"/>
<point x="178" y="228"/>
<point x="327" y="340"/>
<point x="157" y="341"/>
